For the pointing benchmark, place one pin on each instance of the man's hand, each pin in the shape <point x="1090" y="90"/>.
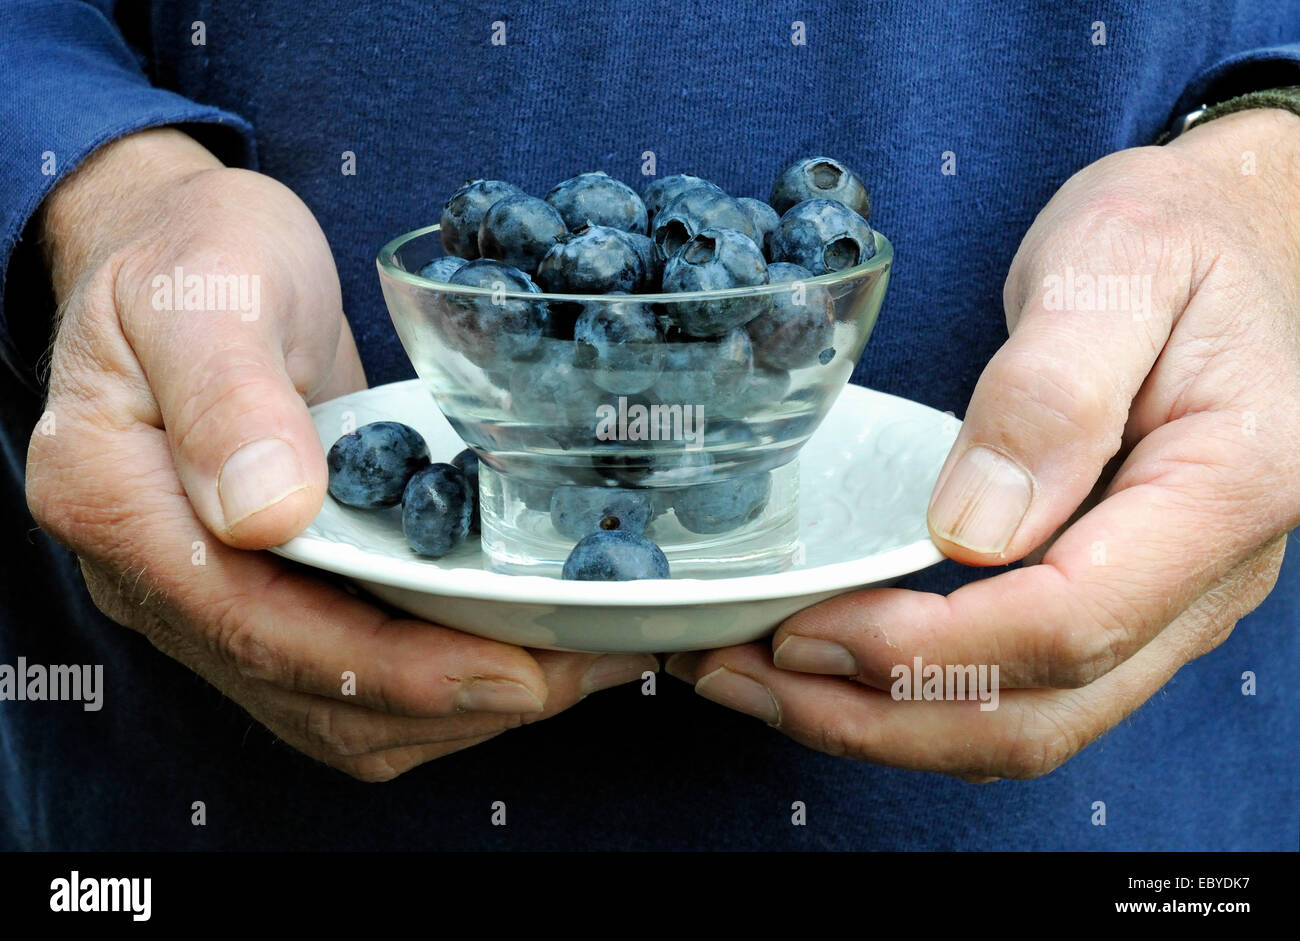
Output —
<point x="1143" y="438"/>
<point x="170" y="427"/>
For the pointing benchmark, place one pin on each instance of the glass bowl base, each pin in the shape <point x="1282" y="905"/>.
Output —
<point x="519" y="538"/>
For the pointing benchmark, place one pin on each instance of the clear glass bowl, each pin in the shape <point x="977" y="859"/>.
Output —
<point x="701" y="438"/>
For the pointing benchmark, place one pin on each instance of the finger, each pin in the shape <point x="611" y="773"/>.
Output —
<point x="1049" y="410"/>
<point x="1023" y="733"/>
<point x="331" y="730"/>
<point x="230" y="395"/>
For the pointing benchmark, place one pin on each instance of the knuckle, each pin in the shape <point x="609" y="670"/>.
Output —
<point x="1035" y="395"/>
<point x="839" y="737"/>
<point x="1041" y="743"/>
<point x="1116" y="226"/>
<point x="1216" y="638"/>
<point x="1133" y="227"/>
<point x="235" y="392"/>
<point x="1079" y="655"/>
<point x="327" y="729"/>
<point x="1134" y="190"/>
<point x="235" y="638"/>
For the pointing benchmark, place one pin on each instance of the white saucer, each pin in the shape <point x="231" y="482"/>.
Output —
<point x="865" y="482"/>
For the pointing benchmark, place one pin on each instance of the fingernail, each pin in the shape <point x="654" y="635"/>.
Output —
<point x="616" y="669"/>
<point x="497" y="696"/>
<point x="258" y="475"/>
<point x="814" y="655"/>
<point x="739" y="692"/>
<point x="681" y="665"/>
<point x="982" y="501"/>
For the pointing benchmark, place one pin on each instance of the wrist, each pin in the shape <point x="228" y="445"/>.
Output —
<point x="104" y="202"/>
<point x="1255" y="156"/>
<point x="1264" y="132"/>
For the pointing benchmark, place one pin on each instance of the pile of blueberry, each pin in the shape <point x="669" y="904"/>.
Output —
<point x="593" y="235"/>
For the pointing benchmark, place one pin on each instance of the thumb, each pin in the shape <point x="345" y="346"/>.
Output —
<point x="1049" y="410"/>
<point x="242" y="439"/>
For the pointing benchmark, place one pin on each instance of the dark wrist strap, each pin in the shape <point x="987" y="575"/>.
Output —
<point x="1288" y="99"/>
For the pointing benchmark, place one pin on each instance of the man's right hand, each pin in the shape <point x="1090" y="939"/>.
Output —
<point x="165" y="428"/>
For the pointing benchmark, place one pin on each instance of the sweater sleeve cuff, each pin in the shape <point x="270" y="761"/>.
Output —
<point x="69" y="84"/>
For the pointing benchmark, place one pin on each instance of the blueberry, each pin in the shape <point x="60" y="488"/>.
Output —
<point x="579" y="511"/>
<point x="441" y="269"/>
<point x="799" y="325"/>
<point x="599" y="199"/>
<point x="467" y="462"/>
<point x="660" y="192"/>
<point x="487" y="327"/>
<point x="716" y="259"/>
<point x="826" y="355"/>
<point x="796" y="426"/>
<point x="615" y="556"/>
<point x="619" y="343"/>
<point x="628" y="459"/>
<point x="677" y="472"/>
<point x="370" y="467"/>
<point x="694" y="210"/>
<point x="683" y="467"/>
<point x="822" y="236"/>
<point x="551" y="389"/>
<point x="724" y="505"/>
<point x="596" y="259"/>
<point x="762" y="388"/>
<point x="560" y="318"/>
<point x="783" y="272"/>
<point x="709" y="373"/>
<point x="519" y="230"/>
<point x="437" y="507"/>
<point x="727" y="435"/>
<point x="463" y="214"/>
<point x="536" y="496"/>
<point x="651" y="264"/>
<point x="820" y="178"/>
<point x="763" y="216"/>
<point x="627" y="464"/>
<point x="735" y="446"/>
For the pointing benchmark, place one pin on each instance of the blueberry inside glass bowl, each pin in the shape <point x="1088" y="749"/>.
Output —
<point x="594" y="411"/>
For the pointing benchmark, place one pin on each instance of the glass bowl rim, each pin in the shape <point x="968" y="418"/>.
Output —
<point x="388" y="267"/>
